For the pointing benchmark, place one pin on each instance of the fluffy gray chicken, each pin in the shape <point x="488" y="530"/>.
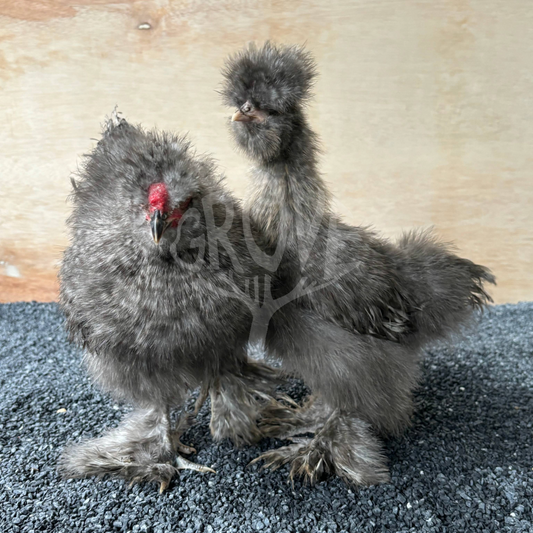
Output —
<point x="368" y="307"/>
<point x="152" y="287"/>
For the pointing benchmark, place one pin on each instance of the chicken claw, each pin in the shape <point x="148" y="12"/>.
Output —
<point x="184" y="464"/>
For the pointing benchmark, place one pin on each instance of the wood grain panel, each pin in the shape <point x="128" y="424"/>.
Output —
<point x="425" y="110"/>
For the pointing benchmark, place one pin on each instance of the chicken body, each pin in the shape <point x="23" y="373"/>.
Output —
<point x="152" y="289"/>
<point x="370" y="305"/>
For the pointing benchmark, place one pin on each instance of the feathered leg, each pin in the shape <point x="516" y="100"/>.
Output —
<point x="242" y="401"/>
<point x="360" y="383"/>
<point x="143" y="448"/>
<point x="285" y="421"/>
<point x="342" y="444"/>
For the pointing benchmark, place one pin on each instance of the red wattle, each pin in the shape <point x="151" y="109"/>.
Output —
<point x="175" y="217"/>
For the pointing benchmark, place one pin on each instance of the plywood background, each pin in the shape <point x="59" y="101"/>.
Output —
<point x="424" y="107"/>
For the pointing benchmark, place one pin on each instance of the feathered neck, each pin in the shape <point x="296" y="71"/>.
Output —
<point x="287" y="193"/>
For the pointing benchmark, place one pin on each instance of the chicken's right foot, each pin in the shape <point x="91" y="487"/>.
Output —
<point x="343" y="446"/>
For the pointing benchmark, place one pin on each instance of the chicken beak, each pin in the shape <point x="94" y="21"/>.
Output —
<point x="239" y="116"/>
<point x="254" y="115"/>
<point x="158" y="225"/>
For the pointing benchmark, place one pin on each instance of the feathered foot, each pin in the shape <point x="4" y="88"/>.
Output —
<point x="343" y="446"/>
<point x="243" y="400"/>
<point x="284" y="418"/>
<point x="143" y="448"/>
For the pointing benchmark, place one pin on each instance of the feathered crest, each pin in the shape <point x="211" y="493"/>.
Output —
<point x="274" y="77"/>
<point x="128" y="159"/>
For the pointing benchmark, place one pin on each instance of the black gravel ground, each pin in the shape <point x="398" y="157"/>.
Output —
<point x="465" y="465"/>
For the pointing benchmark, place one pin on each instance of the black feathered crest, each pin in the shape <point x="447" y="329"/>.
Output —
<point x="272" y="77"/>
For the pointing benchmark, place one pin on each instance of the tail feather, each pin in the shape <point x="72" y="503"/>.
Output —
<point x="444" y="288"/>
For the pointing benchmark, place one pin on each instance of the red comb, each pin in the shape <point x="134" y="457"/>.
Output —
<point x="158" y="197"/>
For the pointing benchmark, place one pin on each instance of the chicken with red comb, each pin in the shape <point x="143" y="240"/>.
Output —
<point x="152" y="288"/>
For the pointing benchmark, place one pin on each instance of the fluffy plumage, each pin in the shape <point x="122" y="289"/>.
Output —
<point x="278" y="82"/>
<point x="157" y="245"/>
<point x="371" y="305"/>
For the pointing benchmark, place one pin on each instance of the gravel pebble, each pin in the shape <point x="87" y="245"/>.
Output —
<point x="466" y="464"/>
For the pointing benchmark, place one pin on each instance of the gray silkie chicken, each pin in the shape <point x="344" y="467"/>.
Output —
<point x="152" y="287"/>
<point x="367" y="306"/>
